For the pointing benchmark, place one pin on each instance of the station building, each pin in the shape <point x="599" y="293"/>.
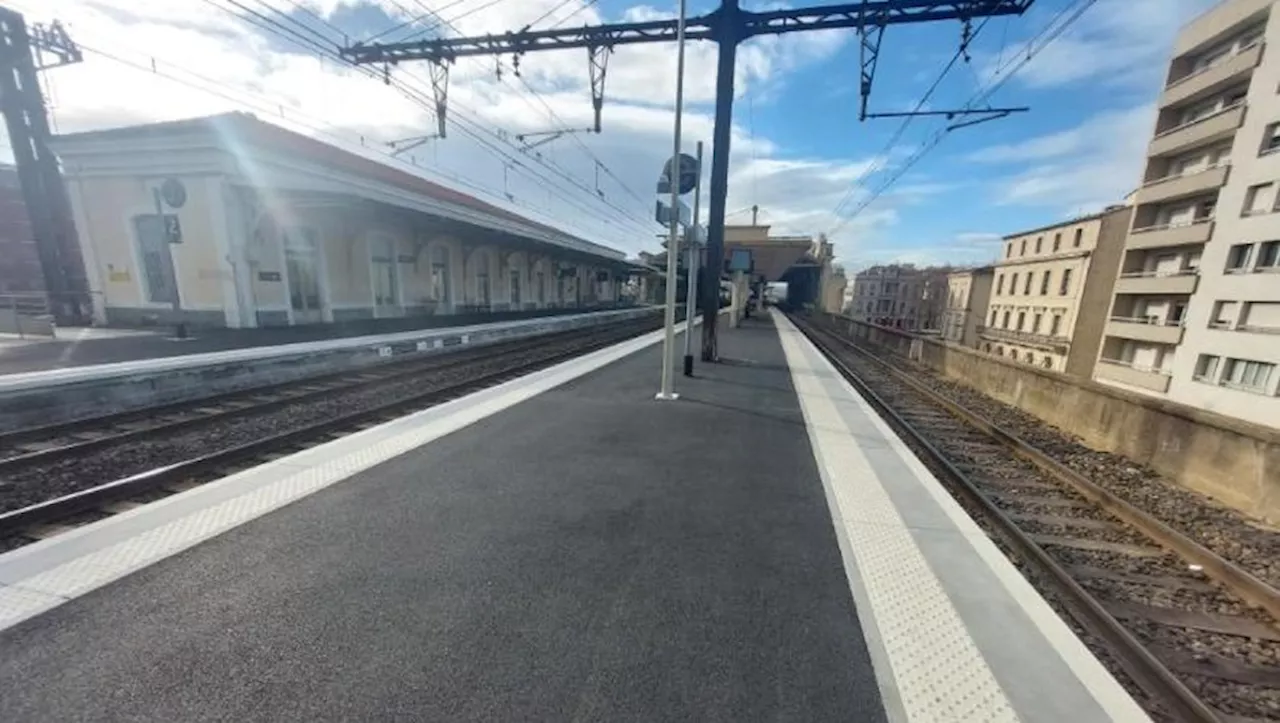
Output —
<point x="230" y="221"/>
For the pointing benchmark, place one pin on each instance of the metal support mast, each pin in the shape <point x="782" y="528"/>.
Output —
<point x="727" y="25"/>
<point x="23" y="53"/>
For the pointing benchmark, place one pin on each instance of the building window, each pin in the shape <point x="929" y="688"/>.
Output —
<point x="1057" y="241"/>
<point x="1268" y="257"/>
<point x="1026" y="285"/>
<point x="1028" y="357"/>
<point x="1039" y="243"/>
<point x="1261" y="316"/>
<point x="1035" y="323"/>
<point x="1270" y="139"/>
<point x="1238" y="258"/>
<point x="1006" y="320"/>
<point x="157" y="262"/>
<point x="1259" y="199"/>
<point x="1079" y="237"/>
<point x="1248" y="375"/>
<point x="1044" y="283"/>
<point x="1008" y="252"/>
<point x="1206" y="368"/>
<point x="1023" y="249"/>
<point x="1055" y="325"/>
<point x="1022" y="319"/>
<point x="1013" y="284"/>
<point x="515" y="287"/>
<point x="999" y="284"/>
<point x="382" y="257"/>
<point x="1064" y="287"/>
<point x="1048" y="362"/>
<point x="1225" y="314"/>
<point x="440" y="275"/>
<point x="302" y="269"/>
<point x="993" y="317"/>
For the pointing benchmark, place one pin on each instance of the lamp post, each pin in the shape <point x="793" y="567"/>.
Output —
<point x="673" y="246"/>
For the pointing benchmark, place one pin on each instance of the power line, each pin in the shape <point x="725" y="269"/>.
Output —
<point x="1031" y="49"/>
<point x="882" y="158"/>
<point x="306" y="43"/>
<point x="548" y="13"/>
<point x="555" y="118"/>
<point x="322" y="129"/>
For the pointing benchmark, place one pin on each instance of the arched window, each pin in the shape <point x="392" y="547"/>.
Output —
<point x="440" y="274"/>
<point x="480" y="262"/>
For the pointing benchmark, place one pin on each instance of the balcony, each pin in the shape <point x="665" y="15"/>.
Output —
<point x="1215" y="78"/>
<point x="1176" y="283"/>
<point x="1056" y="344"/>
<point x="1150" y="329"/>
<point x="1171" y="188"/>
<point x="1114" y="370"/>
<point x="1151" y="237"/>
<point x="1219" y="126"/>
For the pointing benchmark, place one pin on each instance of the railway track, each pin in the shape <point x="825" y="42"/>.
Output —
<point x="96" y="468"/>
<point x="1193" y="635"/>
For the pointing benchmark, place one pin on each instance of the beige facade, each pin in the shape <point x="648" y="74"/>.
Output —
<point x="1051" y="291"/>
<point x="277" y="228"/>
<point x="900" y="296"/>
<point x="968" y="295"/>
<point x="1196" y="311"/>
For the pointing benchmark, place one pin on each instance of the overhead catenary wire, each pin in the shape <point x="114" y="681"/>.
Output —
<point x="879" y="161"/>
<point x="321" y="128"/>
<point x="312" y="46"/>
<point x="555" y="118"/>
<point x="1051" y="32"/>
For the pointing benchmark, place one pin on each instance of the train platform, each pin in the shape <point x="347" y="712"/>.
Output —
<point x="78" y="347"/>
<point x="558" y="547"/>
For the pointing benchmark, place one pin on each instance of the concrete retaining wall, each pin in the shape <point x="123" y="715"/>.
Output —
<point x="1231" y="460"/>
<point x="60" y="395"/>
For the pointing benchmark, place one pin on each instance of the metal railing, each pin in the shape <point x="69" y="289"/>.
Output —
<point x="1150" y="320"/>
<point x="1215" y="64"/>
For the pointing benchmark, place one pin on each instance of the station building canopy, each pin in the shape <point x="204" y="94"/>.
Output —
<point x="261" y="155"/>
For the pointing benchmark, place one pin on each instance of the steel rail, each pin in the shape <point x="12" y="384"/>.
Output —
<point x="14" y="521"/>
<point x="1137" y="661"/>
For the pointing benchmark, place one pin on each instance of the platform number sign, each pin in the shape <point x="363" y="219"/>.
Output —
<point x="172" y="229"/>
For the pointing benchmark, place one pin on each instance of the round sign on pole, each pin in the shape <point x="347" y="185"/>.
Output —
<point x="686" y="177"/>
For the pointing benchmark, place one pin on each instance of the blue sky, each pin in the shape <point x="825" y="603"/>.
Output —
<point x="798" y="151"/>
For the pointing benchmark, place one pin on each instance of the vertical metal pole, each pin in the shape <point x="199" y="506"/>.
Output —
<point x="730" y="32"/>
<point x="673" y="246"/>
<point x="691" y="270"/>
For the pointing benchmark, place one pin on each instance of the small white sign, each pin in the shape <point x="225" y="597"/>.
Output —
<point x="423" y="346"/>
<point x="384" y="351"/>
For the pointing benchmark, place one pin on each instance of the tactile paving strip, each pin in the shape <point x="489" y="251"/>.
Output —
<point x="938" y="670"/>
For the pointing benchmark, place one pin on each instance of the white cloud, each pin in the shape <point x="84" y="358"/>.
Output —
<point x="225" y="64"/>
<point x="1079" y="169"/>
<point x="1115" y="43"/>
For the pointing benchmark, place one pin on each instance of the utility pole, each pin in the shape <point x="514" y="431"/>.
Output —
<point x="728" y="26"/>
<point x="23" y="53"/>
<point x="691" y="269"/>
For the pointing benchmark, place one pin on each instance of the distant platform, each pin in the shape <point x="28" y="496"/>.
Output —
<point x="559" y="547"/>
<point x="84" y="346"/>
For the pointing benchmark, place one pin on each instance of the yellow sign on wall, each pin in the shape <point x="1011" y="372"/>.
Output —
<point x="119" y="276"/>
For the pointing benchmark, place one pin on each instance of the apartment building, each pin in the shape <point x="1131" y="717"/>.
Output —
<point x="968" y="294"/>
<point x="1052" y="289"/>
<point x="1196" y="312"/>
<point x="900" y="295"/>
